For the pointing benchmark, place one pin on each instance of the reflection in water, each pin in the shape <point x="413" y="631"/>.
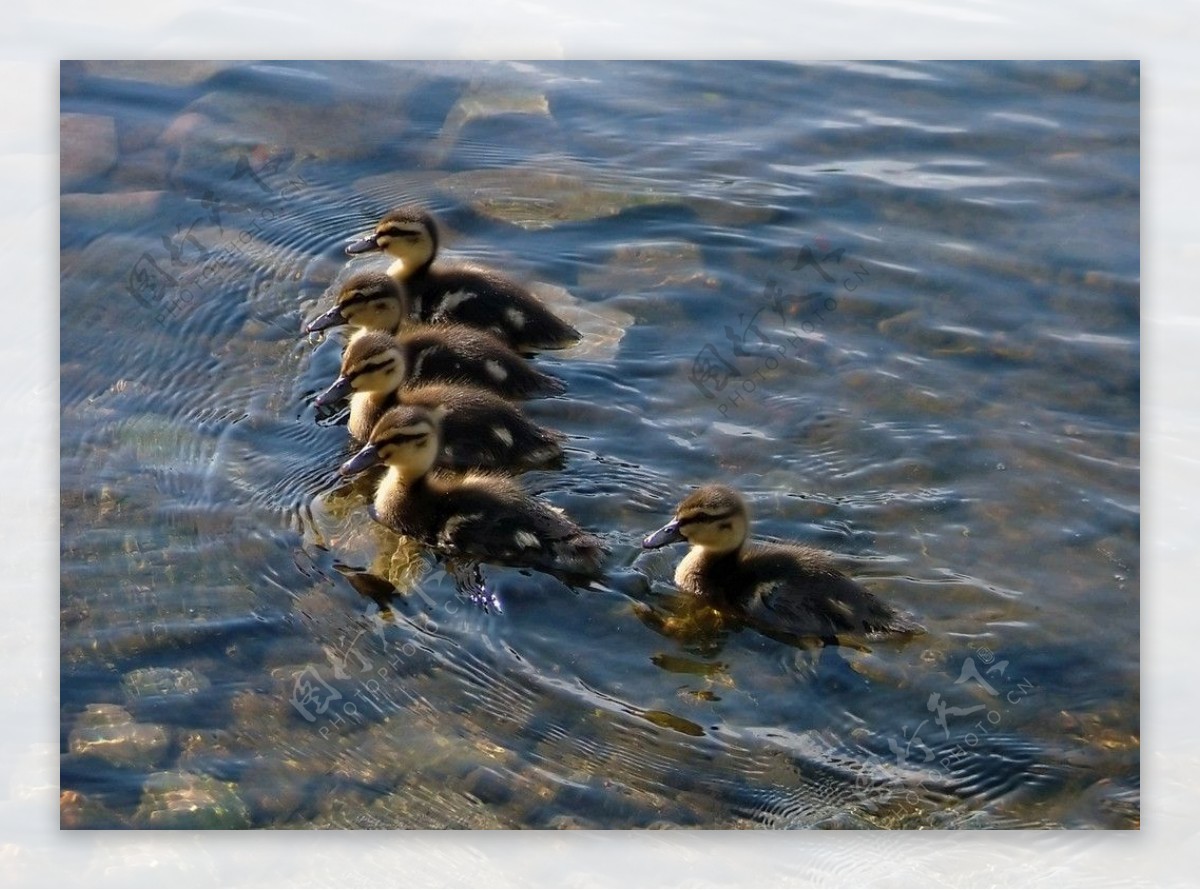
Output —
<point x="877" y="316"/>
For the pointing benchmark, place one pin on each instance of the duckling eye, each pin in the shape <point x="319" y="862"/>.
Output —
<point x="380" y="305"/>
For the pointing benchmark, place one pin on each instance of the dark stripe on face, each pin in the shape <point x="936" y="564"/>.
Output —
<point x="401" y="438"/>
<point x="382" y="365"/>
<point x="397" y="232"/>
<point x="693" y="518"/>
<point x="363" y="296"/>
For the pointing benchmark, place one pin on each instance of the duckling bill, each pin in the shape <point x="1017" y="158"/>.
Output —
<point x="786" y="589"/>
<point x="460" y="293"/>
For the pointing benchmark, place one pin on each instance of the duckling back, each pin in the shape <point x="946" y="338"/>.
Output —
<point x="486" y="300"/>
<point x="491" y="519"/>
<point x="377" y="362"/>
<point x="454" y="353"/>
<point x="799" y="591"/>
<point x="480" y="429"/>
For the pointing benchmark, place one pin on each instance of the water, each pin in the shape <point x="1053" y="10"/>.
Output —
<point x="897" y="305"/>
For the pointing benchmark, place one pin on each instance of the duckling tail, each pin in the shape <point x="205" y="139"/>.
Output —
<point x="550" y="385"/>
<point x="581" y="554"/>
<point x="899" y="623"/>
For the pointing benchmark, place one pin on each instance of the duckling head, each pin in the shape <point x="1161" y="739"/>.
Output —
<point x="370" y="300"/>
<point x="713" y="517"/>
<point x="409" y="235"/>
<point x="406" y="439"/>
<point x="372" y="362"/>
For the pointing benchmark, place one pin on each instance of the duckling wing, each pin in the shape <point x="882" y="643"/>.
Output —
<point x="458" y="353"/>
<point x="481" y="429"/>
<point x="493" y="520"/>
<point x="799" y="591"/>
<point x="485" y="299"/>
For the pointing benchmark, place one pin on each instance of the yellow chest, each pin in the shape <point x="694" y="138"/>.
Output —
<point x="687" y="572"/>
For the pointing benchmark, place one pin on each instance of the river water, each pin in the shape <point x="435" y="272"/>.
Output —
<point x="896" y="304"/>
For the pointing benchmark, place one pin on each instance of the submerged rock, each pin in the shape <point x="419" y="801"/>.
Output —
<point x="166" y="73"/>
<point x="222" y="160"/>
<point x="496" y="120"/>
<point x="728" y="212"/>
<point x="87" y="147"/>
<point x="146" y="682"/>
<point x="541" y="199"/>
<point x="276" y="788"/>
<point x="639" y="267"/>
<point x="109" y="732"/>
<point x="171" y="695"/>
<point x="190" y="800"/>
<point x="603" y="326"/>
<point x="110" y="211"/>
<point x="142" y="170"/>
<point x="548" y="191"/>
<point x="77" y="810"/>
<point x="323" y="128"/>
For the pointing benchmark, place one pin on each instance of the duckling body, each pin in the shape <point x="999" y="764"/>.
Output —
<point x="377" y="361"/>
<point x="479" y="429"/>
<point x="784" y="589"/>
<point x="477" y="516"/>
<point x="461" y="293"/>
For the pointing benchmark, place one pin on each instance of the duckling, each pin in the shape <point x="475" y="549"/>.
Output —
<point x="369" y="300"/>
<point x="786" y="589"/>
<point x="474" y="516"/>
<point x="374" y="361"/>
<point x="461" y="293"/>
<point x="480" y="428"/>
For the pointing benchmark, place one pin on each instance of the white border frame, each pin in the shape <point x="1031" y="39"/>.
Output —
<point x="1163" y="35"/>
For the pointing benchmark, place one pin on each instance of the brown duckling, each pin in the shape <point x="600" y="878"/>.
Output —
<point x="369" y="300"/>
<point x="437" y="354"/>
<point x="475" y="516"/>
<point x="786" y="588"/>
<point x="461" y="293"/>
<point x="480" y="429"/>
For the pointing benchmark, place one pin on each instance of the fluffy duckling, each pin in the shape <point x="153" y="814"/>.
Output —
<point x="480" y="429"/>
<point x="779" y="588"/>
<point x="461" y="293"/>
<point x="369" y="300"/>
<point x="375" y="361"/>
<point x="474" y="516"/>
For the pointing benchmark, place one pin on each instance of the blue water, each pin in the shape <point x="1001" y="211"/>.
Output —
<point x="896" y="304"/>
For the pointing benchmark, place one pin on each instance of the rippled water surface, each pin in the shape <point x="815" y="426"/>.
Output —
<point x="896" y="304"/>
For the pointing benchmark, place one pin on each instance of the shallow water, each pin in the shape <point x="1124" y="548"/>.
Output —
<point x="897" y="304"/>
